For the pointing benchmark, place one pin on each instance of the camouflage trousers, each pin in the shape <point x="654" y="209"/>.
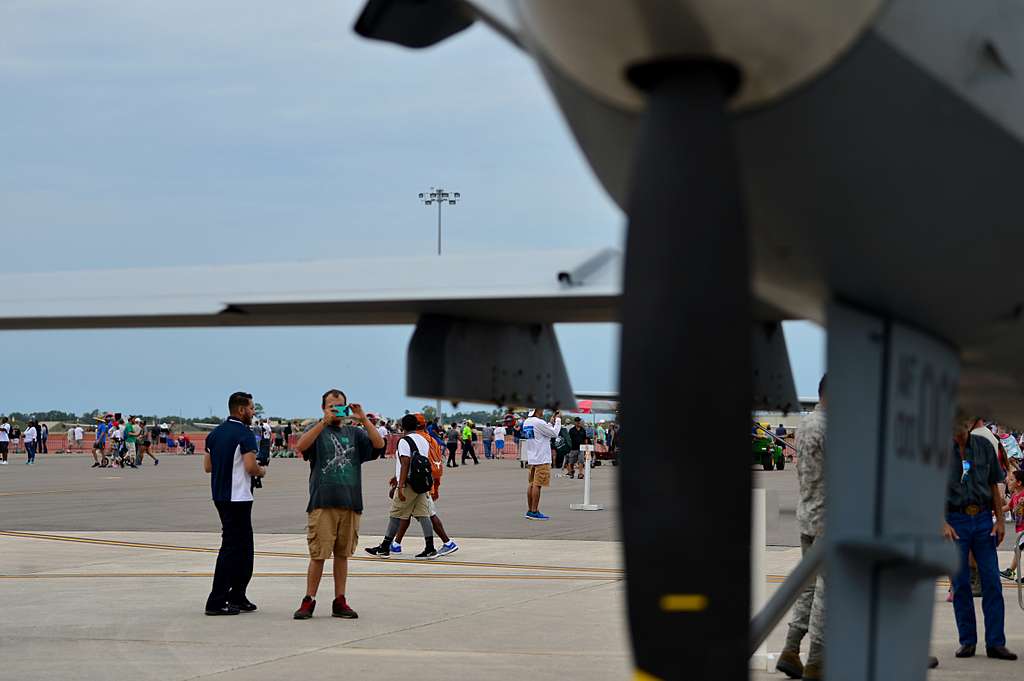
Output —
<point x="809" y="609"/>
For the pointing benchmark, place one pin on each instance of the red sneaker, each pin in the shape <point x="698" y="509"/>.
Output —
<point x="340" y="609"/>
<point x="305" y="610"/>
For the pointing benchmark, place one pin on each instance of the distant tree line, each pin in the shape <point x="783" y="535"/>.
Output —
<point x="477" y="416"/>
<point x="92" y="416"/>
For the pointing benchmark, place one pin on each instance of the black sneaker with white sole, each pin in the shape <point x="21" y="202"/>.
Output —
<point x="379" y="551"/>
<point x="222" y="610"/>
<point x="244" y="606"/>
<point x="427" y="554"/>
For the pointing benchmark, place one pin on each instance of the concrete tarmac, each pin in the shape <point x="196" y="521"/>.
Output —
<point x="127" y="606"/>
<point x="104" y="572"/>
<point x="62" y="492"/>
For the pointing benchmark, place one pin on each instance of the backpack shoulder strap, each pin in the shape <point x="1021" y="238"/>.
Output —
<point x="413" y="449"/>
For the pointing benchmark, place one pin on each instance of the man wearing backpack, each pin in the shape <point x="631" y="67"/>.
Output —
<point x="436" y="457"/>
<point x="335" y="453"/>
<point x="409" y="490"/>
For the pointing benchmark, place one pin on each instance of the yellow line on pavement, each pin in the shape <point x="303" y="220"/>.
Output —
<point x="420" y="575"/>
<point x="615" y="573"/>
<point x="618" y="572"/>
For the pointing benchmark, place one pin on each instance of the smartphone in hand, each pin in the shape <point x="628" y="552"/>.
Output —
<point x="342" y="410"/>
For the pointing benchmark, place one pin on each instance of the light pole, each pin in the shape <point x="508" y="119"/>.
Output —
<point x="439" y="196"/>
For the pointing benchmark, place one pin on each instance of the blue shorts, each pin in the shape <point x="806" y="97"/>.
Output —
<point x="500" y="444"/>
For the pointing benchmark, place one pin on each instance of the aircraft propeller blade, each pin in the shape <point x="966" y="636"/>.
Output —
<point x="686" y="349"/>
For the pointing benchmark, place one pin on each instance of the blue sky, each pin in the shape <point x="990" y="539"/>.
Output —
<point x="230" y="131"/>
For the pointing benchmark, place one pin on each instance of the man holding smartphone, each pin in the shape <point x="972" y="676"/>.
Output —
<point x="536" y="442"/>
<point x="335" y="453"/>
<point x="230" y="460"/>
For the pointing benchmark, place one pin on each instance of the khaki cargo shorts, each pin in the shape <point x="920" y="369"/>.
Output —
<point x="332" y="530"/>
<point x="414" y="504"/>
<point x="540" y="474"/>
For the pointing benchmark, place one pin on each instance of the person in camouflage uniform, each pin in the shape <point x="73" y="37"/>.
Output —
<point x="809" y="610"/>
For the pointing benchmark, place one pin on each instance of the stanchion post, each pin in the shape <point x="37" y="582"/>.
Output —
<point x="587" y="451"/>
<point x="761" y="659"/>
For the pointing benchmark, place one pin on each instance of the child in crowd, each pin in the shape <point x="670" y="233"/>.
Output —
<point x="1015" y="483"/>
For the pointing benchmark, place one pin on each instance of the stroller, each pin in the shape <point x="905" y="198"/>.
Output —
<point x="118" y="456"/>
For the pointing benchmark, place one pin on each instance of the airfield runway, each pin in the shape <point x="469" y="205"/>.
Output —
<point x="103" y="573"/>
<point x="62" y="493"/>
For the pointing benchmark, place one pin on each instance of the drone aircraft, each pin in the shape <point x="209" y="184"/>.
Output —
<point x="866" y="146"/>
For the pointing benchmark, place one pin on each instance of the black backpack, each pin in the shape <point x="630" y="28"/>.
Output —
<point x="420" y="479"/>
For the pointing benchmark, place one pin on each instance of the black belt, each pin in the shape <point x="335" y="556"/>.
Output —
<point x="969" y="509"/>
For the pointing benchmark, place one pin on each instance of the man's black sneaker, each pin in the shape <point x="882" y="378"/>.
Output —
<point x="966" y="650"/>
<point x="95" y="465"/>
<point x="1000" y="653"/>
<point x="245" y="606"/>
<point x="222" y="610"/>
<point x="306" y="608"/>
<point x="427" y="554"/>
<point x="156" y="462"/>
<point x="379" y="551"/>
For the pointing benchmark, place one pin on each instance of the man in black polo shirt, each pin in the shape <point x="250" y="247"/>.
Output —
<point x="231" y="461"/>
<point x="972" y="496"/>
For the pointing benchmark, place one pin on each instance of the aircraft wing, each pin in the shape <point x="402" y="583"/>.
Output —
<point x="602" y="395"/>
<point x="540" y="287"/>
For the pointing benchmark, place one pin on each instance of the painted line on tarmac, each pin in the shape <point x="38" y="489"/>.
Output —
<point x="26" y="494"/>
<point x="618" y="572"/>
<point x="772" y="579"/>
<point x="421" y="575"/>
<point x="91" y="490"/>
<point x="779" y="579"/>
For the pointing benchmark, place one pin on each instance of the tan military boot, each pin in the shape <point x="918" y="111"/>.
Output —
<point x="813" y="671"/>
<point x="789" y="664"/>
